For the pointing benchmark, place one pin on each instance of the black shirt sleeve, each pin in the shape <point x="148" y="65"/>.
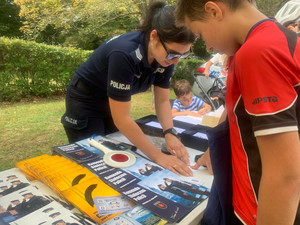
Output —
<point x="120" y="76"/>
<point x="163" y="80"/>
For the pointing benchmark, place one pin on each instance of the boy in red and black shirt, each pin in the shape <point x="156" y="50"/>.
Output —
<point x="262" y="102"/>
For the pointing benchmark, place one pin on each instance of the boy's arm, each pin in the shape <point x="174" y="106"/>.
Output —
<point x="279" y="190"/>
<point x="207" y="67"/>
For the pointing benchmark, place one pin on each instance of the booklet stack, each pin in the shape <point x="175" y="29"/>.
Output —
<point x="24" y="202"/>
<point x="80" y="187"/>
<point x="71" y="182"/>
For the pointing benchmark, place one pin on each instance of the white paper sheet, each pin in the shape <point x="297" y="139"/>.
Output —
<point x="189" y="119"/>
<point x="157" y="125"/>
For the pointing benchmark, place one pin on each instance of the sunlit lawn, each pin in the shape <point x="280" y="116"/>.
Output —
<point x="29" y="129"/>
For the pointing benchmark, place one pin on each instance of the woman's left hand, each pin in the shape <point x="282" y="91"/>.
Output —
<point x="176" y="148"/>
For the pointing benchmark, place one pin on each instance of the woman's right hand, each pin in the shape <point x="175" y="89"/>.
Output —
<point x="174" y="164"/>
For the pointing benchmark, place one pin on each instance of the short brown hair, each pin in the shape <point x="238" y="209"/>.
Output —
<point x="194" y="9"/>
<point x="182" y="87"/>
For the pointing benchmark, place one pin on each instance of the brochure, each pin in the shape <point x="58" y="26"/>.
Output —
<point x="137" y="216"/>
<point x="81" y="151"/>
<point x="21" y="203"/>
<point x="12" y="180"/>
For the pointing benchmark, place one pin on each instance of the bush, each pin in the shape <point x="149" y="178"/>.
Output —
<point x="185" y="69"/>
<point x="29" y="69"/>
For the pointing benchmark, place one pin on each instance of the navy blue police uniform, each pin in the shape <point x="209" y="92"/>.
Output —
<point x="117" y="69"/>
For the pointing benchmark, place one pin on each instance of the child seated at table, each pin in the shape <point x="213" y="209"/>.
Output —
<point x="186" y="103"/>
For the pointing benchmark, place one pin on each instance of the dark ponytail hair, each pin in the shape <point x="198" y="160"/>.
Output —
<point x="160" y="17"/>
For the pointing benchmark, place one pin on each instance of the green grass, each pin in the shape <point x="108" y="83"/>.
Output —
<point x="29" y="129"/>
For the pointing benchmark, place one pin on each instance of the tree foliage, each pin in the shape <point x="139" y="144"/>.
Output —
<point x="78" y="23"/>
<point x="86" y="23"/>
<point x="10" y="22"/>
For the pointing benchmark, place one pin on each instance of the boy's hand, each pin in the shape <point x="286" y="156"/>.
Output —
<point x="202" y="111"/>
<point x="206" y="73"/>
<point x="204" y="160"/>
<point x="205" y="109"/>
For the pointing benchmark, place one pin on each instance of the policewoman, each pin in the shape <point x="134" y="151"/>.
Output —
<point x="98" y="98"/>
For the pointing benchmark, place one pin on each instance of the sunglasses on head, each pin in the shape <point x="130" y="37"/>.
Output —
<point x="174" y="55"/>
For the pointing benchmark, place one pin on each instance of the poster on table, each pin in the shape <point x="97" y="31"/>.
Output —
<point x="149" y="185"/>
